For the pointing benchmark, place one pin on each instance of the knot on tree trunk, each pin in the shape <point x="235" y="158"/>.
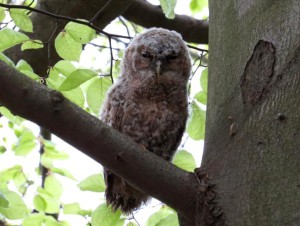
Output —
<point x="256" y="80"/>
<point x="208" y="212"/>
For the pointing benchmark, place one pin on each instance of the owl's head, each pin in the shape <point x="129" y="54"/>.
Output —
<point x="157" y="52"/>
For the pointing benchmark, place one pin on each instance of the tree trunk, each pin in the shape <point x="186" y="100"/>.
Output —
<point x="253" y="122"/>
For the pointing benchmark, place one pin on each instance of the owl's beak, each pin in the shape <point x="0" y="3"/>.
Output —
<point x="158" y="67"/>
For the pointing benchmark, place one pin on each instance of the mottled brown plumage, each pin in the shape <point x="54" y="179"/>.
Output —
<point x="148" y="103"/>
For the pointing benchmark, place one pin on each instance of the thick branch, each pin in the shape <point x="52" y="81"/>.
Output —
<point x="117" y="152"/>
<point x="147" y="15"/>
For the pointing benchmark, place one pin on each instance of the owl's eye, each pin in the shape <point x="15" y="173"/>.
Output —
<point x="171" y="57"/>
<point x="146" y="55"/>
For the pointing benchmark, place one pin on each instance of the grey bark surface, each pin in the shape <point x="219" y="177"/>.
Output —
<point x="253" y="128"/>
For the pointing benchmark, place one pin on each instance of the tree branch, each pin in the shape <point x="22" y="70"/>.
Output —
<point x="142" y="169"/>
<point x="64" y="18"/>
<point x="99" y="14"/>
<point x="147" y="15"/>
<point x="44" y="27"/>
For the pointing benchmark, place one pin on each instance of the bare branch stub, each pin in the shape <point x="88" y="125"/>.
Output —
<point x="207" y="209"/>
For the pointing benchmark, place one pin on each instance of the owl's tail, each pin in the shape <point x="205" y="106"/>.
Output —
<point x="120" y="194"/>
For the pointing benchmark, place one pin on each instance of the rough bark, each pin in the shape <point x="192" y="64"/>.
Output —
<point x="253" y="123"/>
<point x="148" y="15"/>
<point x="115" y="151"/>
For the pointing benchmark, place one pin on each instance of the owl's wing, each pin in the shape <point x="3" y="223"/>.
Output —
<point x="112" y="113"/>
<point x="118" y="193"/>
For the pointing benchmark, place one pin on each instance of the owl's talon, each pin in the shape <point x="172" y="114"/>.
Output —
<point x="143" y="147"/>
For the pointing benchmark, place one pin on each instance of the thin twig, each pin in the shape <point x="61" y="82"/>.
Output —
<point x="99" y="12"/>
<point x="49" y="48"/>
<point x="30" y="3"/>
<point x="198" y="49"/>
<point x="111" y="60"/>
<point x="103" y="47"/>
<point x="60" y="17"/>
<point x="125" y="25"/>
<point x="132" y="215"/>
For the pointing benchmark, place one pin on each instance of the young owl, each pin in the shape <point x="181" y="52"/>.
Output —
<point x="148" y="103"/>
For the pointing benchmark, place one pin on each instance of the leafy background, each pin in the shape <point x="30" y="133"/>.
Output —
<point x="69" y="195"/>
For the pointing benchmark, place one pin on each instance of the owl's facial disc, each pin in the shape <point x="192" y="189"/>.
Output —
<point x="159" y="59"/>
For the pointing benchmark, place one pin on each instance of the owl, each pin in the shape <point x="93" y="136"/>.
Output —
<point x="149" y="104"/>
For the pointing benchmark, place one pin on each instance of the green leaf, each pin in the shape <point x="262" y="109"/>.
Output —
<point x="20" y="181"/>
<point x="64" y="67"/>
<point x="54" y="80"/>
<point x="16" y="208"/>
<point x="6" y="60"/>
<point x="103" y="216"/>
<point x="2" y="149"/>
<point x="3" y="201"/>
<point x="30" y="3"/>
<point x="131" y="224"/>
<point x="39" y="203"/>
<point x="44" y="201"/>
<point x="76" y="96"/>
<point x="12" y="118"/>
<point x="80" y="33"/>
<point x="52" y="153"/>
<point x="22" y="65"/>
<point x="66" y="47"/>
<point x="85" y="213"/>
<point x="196" y="122"/>
<point x="26" y="69"/>
<point x="197" y="6"/>
<point x="32" y="44"/>
<point x="26" y="143"/>
<point x="201" y="97"/>
<point x="10" y="38"/>
<point x="53" y="187"/>
<point x="9" y="174"/>
<point x="46" y="161"/>
<point x="63" y="172"/>
<point x="76" y="78"/>
<point x="50" y="221"/>
<point x="203" y="80"/>
<point x="72" y="208"/>
<point x="2" y="14"/>
<point x="21" y="19"/>
<point x="158" y="216"/>
<point x="184" y="160"/>
<point x="168" y="7"/>
<point x="35" y="219"/>
<point x="171" y="220"/>
<point x="92" y="183"/>
<point x="96" y="93"/>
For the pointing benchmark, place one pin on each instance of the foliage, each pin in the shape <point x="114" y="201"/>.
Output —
<point x="168" y="7"/>
<point x="86" y="86"/>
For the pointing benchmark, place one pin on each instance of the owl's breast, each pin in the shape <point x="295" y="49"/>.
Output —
<point x="158" y="126"/>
